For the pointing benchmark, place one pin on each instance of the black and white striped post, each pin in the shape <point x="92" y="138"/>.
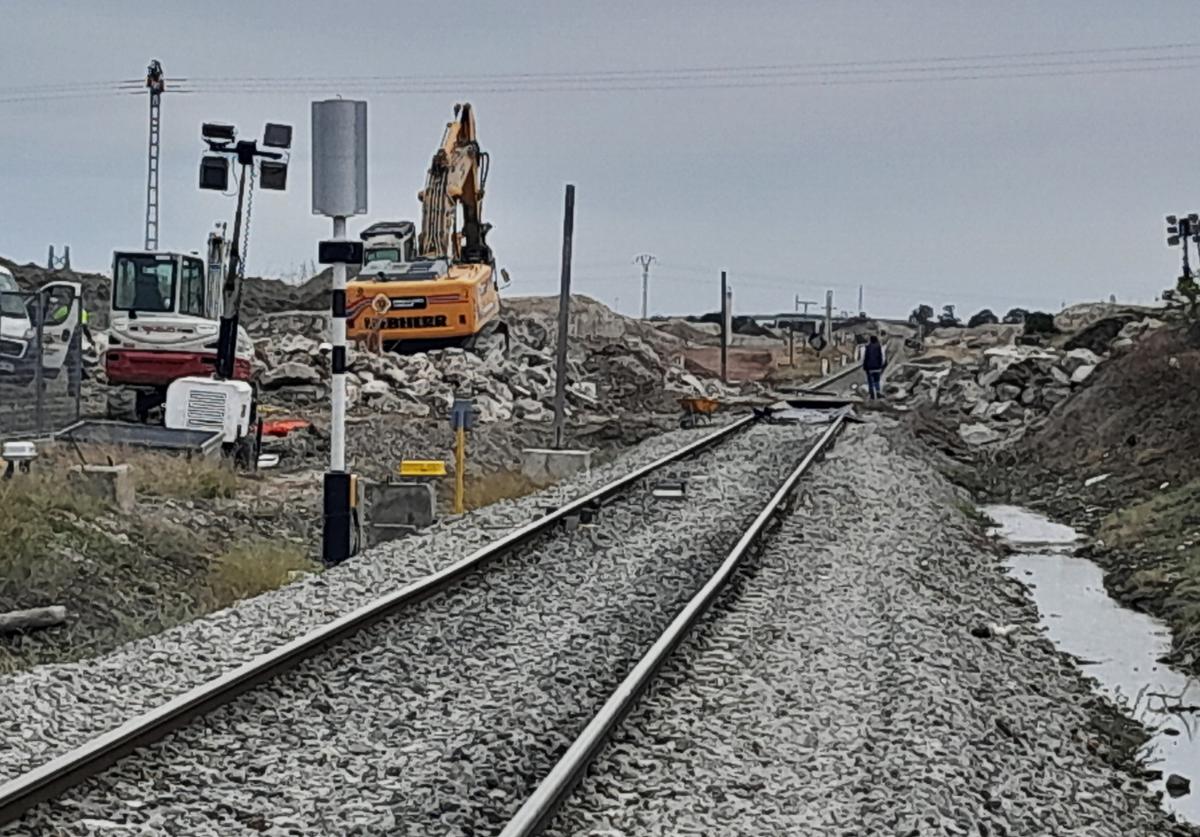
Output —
<point x="339" y="140"/>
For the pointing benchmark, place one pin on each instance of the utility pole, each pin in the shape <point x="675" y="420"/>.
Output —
<point x="564" y="313"/>
<point x="645" y="260"/>
<point x="861" y="310"/>
<point x="55" y="263"/>
<point x="724" y="329"/>
<point x="829" y="318"/>
<point x="155" y="84"/>
<point x="805" y="303"/>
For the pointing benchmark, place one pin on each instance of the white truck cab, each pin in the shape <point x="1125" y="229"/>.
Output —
<point x="57" y="306"/>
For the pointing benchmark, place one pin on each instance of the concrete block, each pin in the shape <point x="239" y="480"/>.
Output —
<point x="546" y="465"/>
<point x="393" y="509"/>
<point x="112" y="483"/>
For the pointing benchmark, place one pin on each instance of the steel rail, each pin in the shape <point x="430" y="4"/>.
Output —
<point x="93" y="757"/>
<point x="553" y="791"/>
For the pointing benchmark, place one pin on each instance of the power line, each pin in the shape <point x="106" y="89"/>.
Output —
<point x="1048" y="63"/>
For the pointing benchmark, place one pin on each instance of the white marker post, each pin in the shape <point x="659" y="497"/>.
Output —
<point x="339" y="190"/>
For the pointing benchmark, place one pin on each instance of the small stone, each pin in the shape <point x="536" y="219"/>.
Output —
<point x="1082" y="374"/>
<point x="1178" y="785"/>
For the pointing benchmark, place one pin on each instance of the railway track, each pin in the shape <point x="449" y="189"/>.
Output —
<point x="479" y="691"/>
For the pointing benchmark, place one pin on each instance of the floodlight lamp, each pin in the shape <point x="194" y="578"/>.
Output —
<point x="214" y="172"/>
<point x="277" y="136"/>
<point x="1194" y="218"/>
<point x="1171" y="219"/>
<point x="218" y="132"/>
<point x="272" y="175"/>
<point x="1172" y="240"/>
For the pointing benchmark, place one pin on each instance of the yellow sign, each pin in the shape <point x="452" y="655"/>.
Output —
<point x="422" y="468"/>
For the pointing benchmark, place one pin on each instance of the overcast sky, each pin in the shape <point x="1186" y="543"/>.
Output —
<point x="1000" y="192"/>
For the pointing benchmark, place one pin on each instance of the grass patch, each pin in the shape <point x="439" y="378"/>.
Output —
<point x="972" y="513"/>
<point x="37" y="510"/>
<point x="120" y="577"/>
<point x="485" y="489"/>
<point x="184" y="479"/>
<point x="1159" y="523"/>
<point x="155" y="474"/>
<point x="1157" y="542"/>
<point x="249" y="569"/>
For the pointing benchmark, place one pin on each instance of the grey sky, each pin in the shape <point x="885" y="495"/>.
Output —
<point x="1000" y="192"/>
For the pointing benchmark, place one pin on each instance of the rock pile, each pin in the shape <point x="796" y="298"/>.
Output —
<point x="613" y="362"/>
<point x="1006" y="389"/>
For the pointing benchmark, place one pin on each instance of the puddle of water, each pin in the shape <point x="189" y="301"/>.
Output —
<point x="1117" y="646"/>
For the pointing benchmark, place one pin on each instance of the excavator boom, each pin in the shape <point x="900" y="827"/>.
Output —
<point x="456" y="178"/>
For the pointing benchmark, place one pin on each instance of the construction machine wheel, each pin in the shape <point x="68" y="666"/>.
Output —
<point x="147" y="401"/>
<point x="120" y="405"/>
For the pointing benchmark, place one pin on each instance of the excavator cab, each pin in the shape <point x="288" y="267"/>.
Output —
<point x="160" y="283"/>
<point x="389" y="242"/>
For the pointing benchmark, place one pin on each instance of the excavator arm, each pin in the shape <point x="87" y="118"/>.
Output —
<point x="456" y="179"/>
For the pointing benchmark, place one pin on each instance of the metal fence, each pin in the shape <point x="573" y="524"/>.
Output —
<point x="41" y="361"/>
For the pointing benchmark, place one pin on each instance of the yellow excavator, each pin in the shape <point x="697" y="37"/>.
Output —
<point x="439" y="288"/>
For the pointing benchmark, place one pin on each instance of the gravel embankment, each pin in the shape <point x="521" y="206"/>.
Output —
<point x="836" y="688"/>
<point x="46" y="711"/>
<point x="443" y="719"/>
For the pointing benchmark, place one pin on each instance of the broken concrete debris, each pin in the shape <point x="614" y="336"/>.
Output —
<point x="1003" y="387"/>
<point x="614" y="363"/>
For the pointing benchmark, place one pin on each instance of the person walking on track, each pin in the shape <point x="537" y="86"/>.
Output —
<point x="873" y="364"/>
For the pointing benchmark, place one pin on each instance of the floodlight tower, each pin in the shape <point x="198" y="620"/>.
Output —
<point x="155" y="83"/>
<point x="271" y="167"/>
<point x="1179" y="230"/>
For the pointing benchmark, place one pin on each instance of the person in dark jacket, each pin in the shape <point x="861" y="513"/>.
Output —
<point x="873" y="364"/>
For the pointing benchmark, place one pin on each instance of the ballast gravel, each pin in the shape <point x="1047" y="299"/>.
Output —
<point x="442" y="720"/>
<point x="47" y="711"/>
<point x="836" y="688"/>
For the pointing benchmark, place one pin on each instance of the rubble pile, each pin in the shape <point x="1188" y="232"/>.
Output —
<point x="999" y="394"/>
<point x="614" y="363"/>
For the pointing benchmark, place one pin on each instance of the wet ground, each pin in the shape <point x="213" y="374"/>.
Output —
<point x="1119" y="647"/>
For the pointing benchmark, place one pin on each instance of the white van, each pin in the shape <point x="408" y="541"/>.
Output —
<point x="16" y="329"/>
<point x="58" y="306"/>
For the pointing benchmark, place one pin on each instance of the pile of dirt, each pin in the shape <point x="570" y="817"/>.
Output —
<point x="1137" y="420"/>
<point x="262" y="296"/>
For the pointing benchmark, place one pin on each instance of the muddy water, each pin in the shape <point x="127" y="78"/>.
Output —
<point x="1117" y="646"/>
